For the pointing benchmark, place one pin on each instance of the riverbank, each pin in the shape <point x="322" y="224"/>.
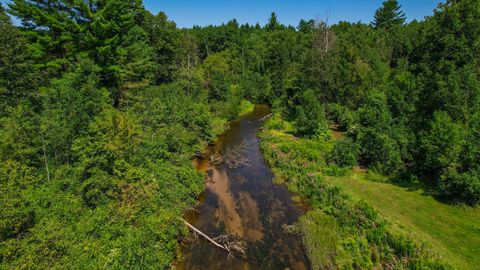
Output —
<point x="242" y="204"/>
<point x="454" y="231"/>
<point x="356" y="234"/>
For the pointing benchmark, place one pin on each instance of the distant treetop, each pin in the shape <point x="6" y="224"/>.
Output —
<point x="390" y="14"/>
<point x="273" y="23"/>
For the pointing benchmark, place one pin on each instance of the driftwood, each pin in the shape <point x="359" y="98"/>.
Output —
<point x="197" y="231"/>
<point x="266" y="117"/>
<point x="233" y="158"/>
<point x="231" y="243"/>
<point x="225" y="242"/>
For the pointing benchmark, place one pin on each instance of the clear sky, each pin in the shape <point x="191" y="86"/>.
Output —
<point x="187" y="13"/>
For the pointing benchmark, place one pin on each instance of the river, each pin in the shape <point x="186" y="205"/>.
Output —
<point x="241" y="200"/>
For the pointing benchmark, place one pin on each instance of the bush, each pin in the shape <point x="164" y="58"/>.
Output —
<point x="374" y="112"/>
<point x="275" y="123"/>
<point x="344" y="153"/>
<point x="341" y="115"/>
<point x="464" y="187"/>
<point x="441" y="145"/>
<point x="246" y="107"/>
<point x="379" y="152"/>
<point x="334" y="170"/>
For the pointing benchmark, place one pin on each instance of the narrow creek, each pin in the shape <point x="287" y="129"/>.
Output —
<point x="240" y="199"/>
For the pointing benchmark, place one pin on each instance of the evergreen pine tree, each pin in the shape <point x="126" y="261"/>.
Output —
<point x="390" y="14"/>
<point x="54" y="27"/>
<point x="16" y="80"/>
<point x="273" y="23"/>
<point x="3" y="16"/>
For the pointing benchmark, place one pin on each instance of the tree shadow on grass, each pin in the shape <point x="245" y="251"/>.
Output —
<point x="427" y="188"/>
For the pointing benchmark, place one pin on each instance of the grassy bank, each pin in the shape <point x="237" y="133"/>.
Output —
<point x="453" y="231"/>
<point x="340" y="231"/>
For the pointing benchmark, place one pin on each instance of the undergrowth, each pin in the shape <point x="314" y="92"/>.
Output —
<point x="339" y="232"/>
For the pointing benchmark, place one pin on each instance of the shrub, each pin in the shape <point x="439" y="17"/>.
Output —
<point x="379" y="152"/>
<point x="310" y="117"/>
<point x="344" y="153"/>
<point x="341" y="115"/>
<point x="464" y="187"/>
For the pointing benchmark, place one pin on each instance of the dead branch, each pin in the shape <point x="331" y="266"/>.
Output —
<point x="266" y="117"/>
<point x="206" y="236"/>
<point x="233" y="158"/>
<point x="231" y="243"/>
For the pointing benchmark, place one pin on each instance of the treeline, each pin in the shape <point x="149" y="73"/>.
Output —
<point x="102" y="107"/>
<point x="408" y="95"/>
<point x="102" y="104"/>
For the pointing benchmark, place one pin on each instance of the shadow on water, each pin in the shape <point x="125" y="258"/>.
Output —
<point x="241" y="200"/>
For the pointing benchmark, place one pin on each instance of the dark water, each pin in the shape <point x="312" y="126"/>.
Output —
<point x="241" y="200"/>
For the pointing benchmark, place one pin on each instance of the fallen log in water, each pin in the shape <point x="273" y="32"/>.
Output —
<point x="197" y="231"/>
<point x="233" y="158"/>
<point x="266" y="117"/>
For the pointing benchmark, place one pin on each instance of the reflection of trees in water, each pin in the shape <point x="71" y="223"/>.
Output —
<point x="265" y="210"/>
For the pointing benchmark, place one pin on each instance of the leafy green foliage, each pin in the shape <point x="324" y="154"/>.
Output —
<point x="16" y="69"/>
<point x="344" y="153"/>
<point x="165" y="40"/>
<point x="96" y="162"/>
<point x="320" y="239"/>
<point x="442" y="144"/>
<point x="345" y="119"/>
<point x="16" y="214"/>
<point x="70" y="103"/>
<point x="379" y="151"/>
<point x="110" y="31"/>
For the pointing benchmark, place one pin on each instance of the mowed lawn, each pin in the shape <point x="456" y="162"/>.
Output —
<point x="453" y="231"/>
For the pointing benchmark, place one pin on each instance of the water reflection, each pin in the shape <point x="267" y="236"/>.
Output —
<point x="241" y="200"/>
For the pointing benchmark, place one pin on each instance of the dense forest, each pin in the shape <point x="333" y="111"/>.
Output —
<point x="103" y="105"/>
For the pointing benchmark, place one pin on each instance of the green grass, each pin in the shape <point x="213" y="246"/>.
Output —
<point x="363" y="237"/>
<point x="453" y="231"/>
<point x="320" y="239"/>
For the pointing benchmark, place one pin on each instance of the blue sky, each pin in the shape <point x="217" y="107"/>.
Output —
<point x="187" y="13"/>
